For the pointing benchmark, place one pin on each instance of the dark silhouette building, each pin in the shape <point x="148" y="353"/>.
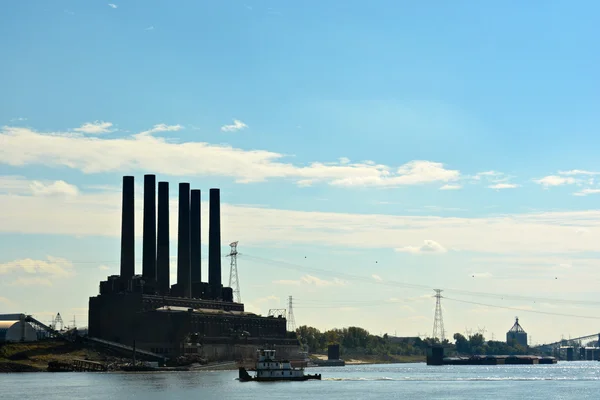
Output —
<point x="165" y="318"/>
<point x="517" y="334"/>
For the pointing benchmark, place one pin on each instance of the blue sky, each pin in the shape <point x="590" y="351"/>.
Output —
<point x="432" y="144"/>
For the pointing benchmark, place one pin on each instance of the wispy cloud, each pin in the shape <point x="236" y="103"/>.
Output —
<point x="111" y="5"/>
<point x="312" y="281"/>
<point x="160" y="128"/>
<point x="236" y="126"/>
<point x="377" y="278"/>
<point x="97" y="213"/>
<point x="429" y="246"/>
<point x="6" y="301"/>
<point x="578" y="172"/>
<point x="495" y="180"/>
<point x="34" y="281"/>
<point x="18" y="119"/>
<point x="585" y="192"/>
<point x="499" y="186"/>
<point x="451" y="187"/>
<point x="95" y="127"/>
<point x="150" y="28"/>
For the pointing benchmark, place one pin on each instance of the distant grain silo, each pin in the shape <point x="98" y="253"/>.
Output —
<point x="517" y="334"/>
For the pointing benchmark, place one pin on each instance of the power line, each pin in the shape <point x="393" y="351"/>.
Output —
<point x="364" y="279"/>
<point x="522" y="309"/>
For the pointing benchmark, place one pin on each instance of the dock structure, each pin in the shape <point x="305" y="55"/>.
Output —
<point x="76" y="365"/>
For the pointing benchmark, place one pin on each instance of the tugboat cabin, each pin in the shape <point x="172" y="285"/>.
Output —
<point x="268" y="367"/>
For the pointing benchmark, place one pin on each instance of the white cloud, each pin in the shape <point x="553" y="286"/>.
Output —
<point x="103" y="268"/>
<point x="429" y="246"/>
<point x="236" y="126"/>
<point x="377" y="278"/>
<point x="555" y="180"/>
<point x="499" y="186"/>
<point x="144" y="151"/>
<point x="96" y="127"/>
<point x="585" y="192"/>
<point x="55" y="188"/>
<point x="20" y="185"/>
<point x="18" y="119"/>
<point x="112" y="5"/>
<point x="411" y="173"/>
<point x="451" y="187"/>
<point x="312" y="281"/>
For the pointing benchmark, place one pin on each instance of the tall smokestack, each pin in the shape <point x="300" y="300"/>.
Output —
<point x="183" y="241"/>
<point x="162" y="248"/>
<point x="195" y="251"/>
<point x="128" y="229"/>
<point x="214" y="243"/>
<point x="149" y="237"/>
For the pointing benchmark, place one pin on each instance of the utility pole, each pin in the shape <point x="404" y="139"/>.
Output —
<point x="291" y="322"/>
<point x="438" y="320"/>
<point x="234" y="282"/>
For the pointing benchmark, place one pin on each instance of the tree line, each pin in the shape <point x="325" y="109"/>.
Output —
<point x="355" y="340"/>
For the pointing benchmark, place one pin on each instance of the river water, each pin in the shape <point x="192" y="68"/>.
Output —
<point x="566" y="380"/>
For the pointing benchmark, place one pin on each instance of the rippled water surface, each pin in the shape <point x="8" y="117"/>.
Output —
<point x="574" y="380"/>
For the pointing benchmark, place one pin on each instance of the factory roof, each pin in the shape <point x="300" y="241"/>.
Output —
<point x="11" y="317"/>
<point x="203" y="311"/>
<point x="516" y="328"/>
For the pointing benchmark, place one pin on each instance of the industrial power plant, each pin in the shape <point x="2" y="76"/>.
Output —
<point x="195" y="315"/>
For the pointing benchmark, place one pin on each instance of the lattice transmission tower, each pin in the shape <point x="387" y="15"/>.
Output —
<point x="234" y="282"/>
<point x="438" y="320"/>
<point x="58" y="321"/>
<point x="291" y="322"/>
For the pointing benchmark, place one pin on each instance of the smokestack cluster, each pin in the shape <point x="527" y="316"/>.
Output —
<point x="155" y="250"/>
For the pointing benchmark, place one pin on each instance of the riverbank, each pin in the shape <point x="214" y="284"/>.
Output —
<point x="34" y="357"/>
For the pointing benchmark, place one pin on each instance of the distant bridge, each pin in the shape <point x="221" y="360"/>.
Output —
<point x="577" y="342"/>
<point x="579" y="348"/>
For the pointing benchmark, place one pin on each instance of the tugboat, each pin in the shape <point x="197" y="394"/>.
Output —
<point x="268" y="370"/>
